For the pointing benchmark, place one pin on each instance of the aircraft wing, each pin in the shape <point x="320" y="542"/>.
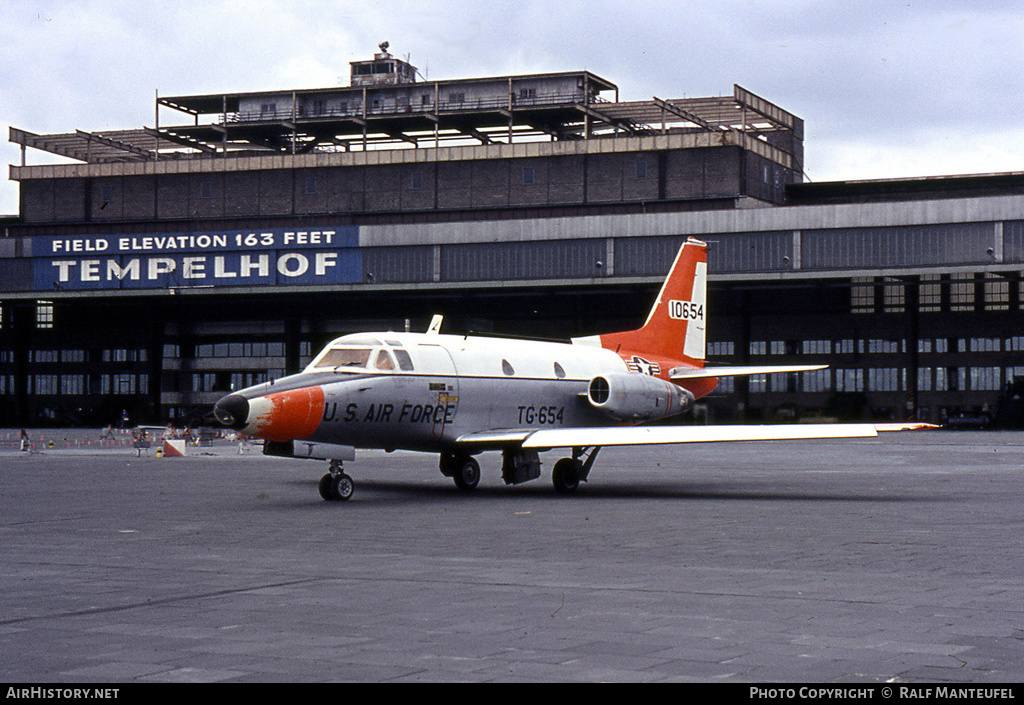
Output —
<point x="660" y="435"/>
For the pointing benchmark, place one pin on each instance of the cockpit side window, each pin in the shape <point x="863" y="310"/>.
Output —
<point x="384" y="361"/>
<point x="345" y="357"/>
<point x="404" y="361"/>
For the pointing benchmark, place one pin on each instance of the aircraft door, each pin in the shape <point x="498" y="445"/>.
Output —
<point x="437" y="365"/>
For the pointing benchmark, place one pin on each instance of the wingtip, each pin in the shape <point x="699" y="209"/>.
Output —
<point x="905" y="426"/>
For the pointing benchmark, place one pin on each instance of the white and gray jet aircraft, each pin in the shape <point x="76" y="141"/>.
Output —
<point x="460" y="395"/>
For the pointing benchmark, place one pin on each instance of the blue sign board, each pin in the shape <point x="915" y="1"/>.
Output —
<point x="204" y="259"/>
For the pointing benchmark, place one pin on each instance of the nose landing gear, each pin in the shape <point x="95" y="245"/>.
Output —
<point x="336" y="486"/>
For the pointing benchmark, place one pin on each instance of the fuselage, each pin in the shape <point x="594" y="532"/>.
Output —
<point x="422" y="391"/>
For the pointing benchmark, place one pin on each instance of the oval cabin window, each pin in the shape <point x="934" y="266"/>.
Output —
<point x="506" y="367"/>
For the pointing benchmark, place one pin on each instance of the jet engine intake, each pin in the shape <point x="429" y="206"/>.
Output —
<point x="637" y="397"/>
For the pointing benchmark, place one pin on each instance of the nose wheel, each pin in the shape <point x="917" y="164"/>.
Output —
<point x="336" y="486"/>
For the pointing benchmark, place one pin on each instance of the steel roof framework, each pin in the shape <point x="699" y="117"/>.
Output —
<point x="232" y="132"/>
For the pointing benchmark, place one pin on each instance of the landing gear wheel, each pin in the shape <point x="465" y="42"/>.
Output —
<point x="336" y="488"/>
<point x="566" y="475"/>
<point x="467" y="474"/>
<point x="325" y="487"/>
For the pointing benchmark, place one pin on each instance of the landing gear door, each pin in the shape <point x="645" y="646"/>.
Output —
<point x="436" y="364"/>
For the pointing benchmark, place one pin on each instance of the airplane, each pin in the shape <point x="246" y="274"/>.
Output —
<point x="461" y="395"/>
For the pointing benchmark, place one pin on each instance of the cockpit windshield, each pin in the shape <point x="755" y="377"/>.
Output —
<point x="345" y="357"/>
<point x="364" y="352"/>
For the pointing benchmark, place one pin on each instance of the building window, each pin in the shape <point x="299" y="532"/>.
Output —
<point x="816" y="347"/>
<point x="961" y="292"/>
<point x="640" y="168"/>
<point x="784" y="382"/>
<point x="416" y="180"/>
<point x="529" y="176"/>
<point x="985" y="378"/>
<point x="206" y="189"/>
<point x="44" y="314"/>
<point x="784" y="347"/>
<point x="924" y="379"/>
<point x="1013" y="374"/>
<point x="311" y="185"/>
<point x="930" y="293"/>
<point x="997" y="295"/>
<point x="849" y="380"/>
<point x="816" y="380"/>
<point x="725" y="348"/>
<point x="884" y="379"/>
<point x="986" y="344"/>
<point x="45" y="384"/>
<point x="456" y="98"/>
<point x="879" y="345"/>
<point x="862" y="295"/>
<point x="72" y="384"/>
<point x="893" y="297"/>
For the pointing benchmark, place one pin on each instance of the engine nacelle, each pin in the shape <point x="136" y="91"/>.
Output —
<point x="637" y="397"/>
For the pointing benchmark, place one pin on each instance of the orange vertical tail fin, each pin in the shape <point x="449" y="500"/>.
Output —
<point x="675" y="326"/>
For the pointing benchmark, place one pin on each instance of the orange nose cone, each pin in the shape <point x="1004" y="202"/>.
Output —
<point x="291" y="415"/>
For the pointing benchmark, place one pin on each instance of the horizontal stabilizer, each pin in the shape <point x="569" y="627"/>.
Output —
<point x="705" y="372"/>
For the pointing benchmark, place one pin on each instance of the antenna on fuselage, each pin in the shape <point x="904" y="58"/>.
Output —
<point x="435" y="324"/>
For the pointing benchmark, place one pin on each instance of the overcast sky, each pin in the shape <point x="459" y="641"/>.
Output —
<point x="886" y="88"/>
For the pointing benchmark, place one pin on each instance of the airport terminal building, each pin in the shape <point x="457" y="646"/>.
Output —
<point x="164" y="266"/>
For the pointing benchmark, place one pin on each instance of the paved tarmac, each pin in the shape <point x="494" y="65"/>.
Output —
<point x="897" y="559"/>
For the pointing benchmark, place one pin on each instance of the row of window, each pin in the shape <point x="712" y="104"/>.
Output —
<point x="257" y="349"/>
<point x="963" y="292"/>
<point x="880" y="379"/>
<point x="850" y="346"/>
<point x="79" y="355"/>
<point x="322" y="107"/>
<point x="78" y="384"/>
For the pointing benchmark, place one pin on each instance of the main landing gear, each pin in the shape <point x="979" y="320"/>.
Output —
<point x="336" y="486"/>
<point x="569" y="472"/>
<point x="463" y="469"/>
<point x="521" y="466"/>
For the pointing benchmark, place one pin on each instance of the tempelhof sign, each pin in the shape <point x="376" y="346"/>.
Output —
<point x="203" y="259"/>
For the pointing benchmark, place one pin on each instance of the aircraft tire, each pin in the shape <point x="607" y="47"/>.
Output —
<point x="325" y="487"/>
<point x="336" y="488"/>
<point x="467" y="474"/>
<point x="566" y="475"/>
